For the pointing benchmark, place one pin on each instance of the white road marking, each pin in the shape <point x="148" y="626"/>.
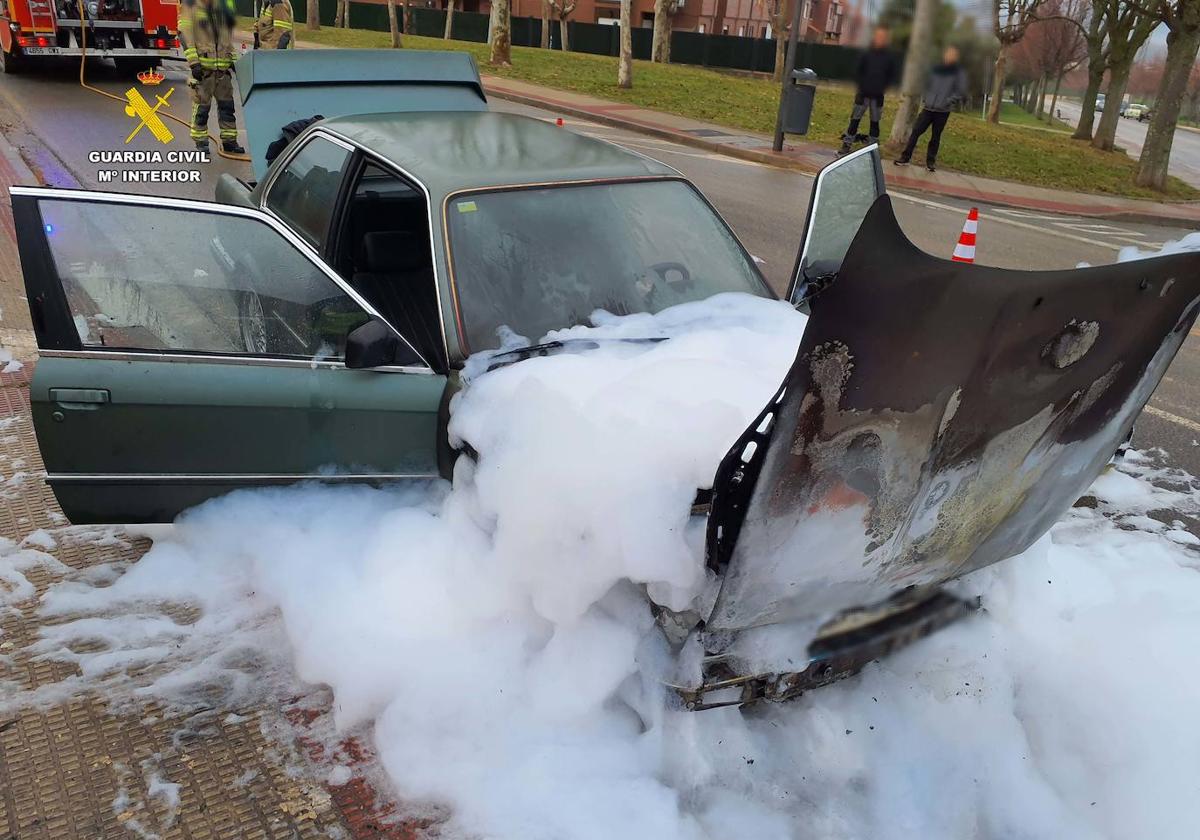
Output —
<point x="1173" y="418"/>
<point x="1011" y="222"/>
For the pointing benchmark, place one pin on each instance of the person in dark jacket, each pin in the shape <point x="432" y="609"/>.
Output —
<point x="877" y="69"/>
<point x="946" y="88"/>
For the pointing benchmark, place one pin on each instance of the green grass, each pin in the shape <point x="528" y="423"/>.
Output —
<point x="1013" y="114"/>
<point x="970" y="145"/>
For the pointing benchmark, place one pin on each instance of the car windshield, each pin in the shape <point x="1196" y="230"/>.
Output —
<point x="536" y="260"/>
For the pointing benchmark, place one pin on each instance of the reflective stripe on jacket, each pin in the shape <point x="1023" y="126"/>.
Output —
<point x="274" y="26"/>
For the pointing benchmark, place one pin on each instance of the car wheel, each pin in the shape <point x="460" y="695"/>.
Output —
<point x="252" y="320"/>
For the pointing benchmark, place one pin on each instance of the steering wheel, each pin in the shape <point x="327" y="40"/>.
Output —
<point x="665" y="269"/>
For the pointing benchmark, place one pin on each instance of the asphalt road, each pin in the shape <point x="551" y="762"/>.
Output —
<point x="1131" y="134"/>
<point x="56" y="125"/>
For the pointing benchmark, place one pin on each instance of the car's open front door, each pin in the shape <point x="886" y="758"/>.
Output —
<point x="842" y="194"/>
<point x="187" y="349"/>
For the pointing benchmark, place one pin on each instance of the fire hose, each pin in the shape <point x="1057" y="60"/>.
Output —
<point x="83" y="83"/>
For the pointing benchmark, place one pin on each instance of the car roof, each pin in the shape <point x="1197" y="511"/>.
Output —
<point x="448" y="151"/>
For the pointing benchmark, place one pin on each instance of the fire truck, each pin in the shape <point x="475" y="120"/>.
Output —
<point x="136" y="34"/>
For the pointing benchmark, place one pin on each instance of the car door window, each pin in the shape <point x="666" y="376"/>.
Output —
<point x="304" y="194"/>
<point x="174" y="279"/>
<point x="842" y="194"/>
<point x="385" y="255"/>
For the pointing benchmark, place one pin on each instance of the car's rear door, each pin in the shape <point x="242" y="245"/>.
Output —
<point x="188" y="349"/>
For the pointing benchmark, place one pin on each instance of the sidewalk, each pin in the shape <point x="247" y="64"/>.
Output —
<point x="810" y="157"/>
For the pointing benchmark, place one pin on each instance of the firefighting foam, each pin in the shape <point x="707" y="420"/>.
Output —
<point x="495" y="640"/>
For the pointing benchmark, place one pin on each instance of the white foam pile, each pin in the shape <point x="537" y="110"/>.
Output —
<point x="496" y="639"/>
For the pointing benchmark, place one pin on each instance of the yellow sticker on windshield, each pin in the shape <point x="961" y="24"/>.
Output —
<point x="466" y="207"/>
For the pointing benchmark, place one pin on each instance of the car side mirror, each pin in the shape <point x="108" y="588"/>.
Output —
<point x="372" y="344"/>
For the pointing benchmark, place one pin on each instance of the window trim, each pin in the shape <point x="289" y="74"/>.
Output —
<point x="640" y="179"/>
<point x="299" y="146"/>
<point x="306" y="251"/>
<point x="364" y="153"/>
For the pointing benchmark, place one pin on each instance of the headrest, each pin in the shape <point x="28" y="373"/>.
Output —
<point x="391" y="251"/>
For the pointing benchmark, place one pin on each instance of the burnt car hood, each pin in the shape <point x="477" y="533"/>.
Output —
<point x="939" y="416"/>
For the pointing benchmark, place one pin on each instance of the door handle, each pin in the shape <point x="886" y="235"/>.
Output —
<point x="85" y="398"/>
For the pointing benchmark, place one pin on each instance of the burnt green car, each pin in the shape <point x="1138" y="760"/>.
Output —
<point x="312" y="325"/>
<point x="937" y="417"/>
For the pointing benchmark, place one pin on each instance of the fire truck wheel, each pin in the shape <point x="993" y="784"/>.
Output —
<point x="11" y="63"/>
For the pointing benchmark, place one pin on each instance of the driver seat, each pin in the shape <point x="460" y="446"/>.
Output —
<point x="397" y="279"/>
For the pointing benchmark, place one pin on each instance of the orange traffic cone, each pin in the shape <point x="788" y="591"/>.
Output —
<point x="964" y="251"/>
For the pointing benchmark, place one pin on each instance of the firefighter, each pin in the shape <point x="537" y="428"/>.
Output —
<point x="273" y="27"/>
<point x="206" y="33"/>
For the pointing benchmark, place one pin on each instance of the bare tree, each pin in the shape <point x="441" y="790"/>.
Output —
<point x="563" y="9"/>
<point x="449" y="20"/>
<point x="718" y="21"/>
<point x="1126" y="27"/>
<point x="916" y="65"/>
<point x="1097" y="59"/>
<point x="1182" y="18"/>
<point x="1055" y="45"/>
<point x="501" y="34"/>
<point x="780" y="11"/>
<point x="312" y="15"/>
<point x="545" y="24"/>
<point x="393" y="25"/>
<point x="625" y="62"/>
<point x="1011" y="19"/>
<point x="664" y="12"/>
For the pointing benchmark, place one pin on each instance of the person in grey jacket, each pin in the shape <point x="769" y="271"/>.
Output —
<point x="946" y="88"/>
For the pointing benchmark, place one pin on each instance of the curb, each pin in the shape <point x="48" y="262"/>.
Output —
<point x="1110" y="213"/>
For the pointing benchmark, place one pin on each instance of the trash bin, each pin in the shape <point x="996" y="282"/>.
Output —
<point x="798" y="101"/>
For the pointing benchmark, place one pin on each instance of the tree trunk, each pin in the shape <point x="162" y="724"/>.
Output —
<point x="779" y="28"/>
<point x="625" y="63"/>
<point x="998" y="72"/>
<point x="1053" y="115"/>
<point x="312" y="16"/>
<point x="1087" y="117"/>
<point x="1106" y="129"/>
<point x="718" y="22"/>
<point x="916" y="65"/>
<point x="501" y="34"/>
<point x="449" y="33"/>
<point x="545" y="24"/>
<point x="660" y="51"/>
<point x="393" y="25"/>
<point x="1182" y="47"/>
<point x="564" y="34"/>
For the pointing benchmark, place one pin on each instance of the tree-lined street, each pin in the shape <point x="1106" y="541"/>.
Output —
<point x="1131" y="134"/>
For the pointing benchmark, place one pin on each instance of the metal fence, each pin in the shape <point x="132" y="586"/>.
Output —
<point x="830" y="61"/>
